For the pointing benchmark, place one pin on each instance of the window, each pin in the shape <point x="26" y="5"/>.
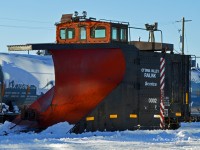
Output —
<point x="98" y="32"/>
<point x="123" y="34"/>
<point x="70" y="33"/>
<point x="114" y="33"/>
<point x="82" y="33"/>
<point x="62" y="34"/>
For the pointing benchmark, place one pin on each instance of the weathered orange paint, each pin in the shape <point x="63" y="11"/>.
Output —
<point x="88" y="25"/>
<point x="83" y="78"/>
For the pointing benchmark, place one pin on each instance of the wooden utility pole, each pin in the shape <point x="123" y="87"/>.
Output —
<point x="183" y="33"/>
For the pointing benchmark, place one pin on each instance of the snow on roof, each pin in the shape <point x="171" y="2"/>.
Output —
<point x="27" y="69"/>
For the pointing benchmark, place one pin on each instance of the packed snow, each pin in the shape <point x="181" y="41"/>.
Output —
<point x="38" y="70"/>
<point x="58" y="137"/>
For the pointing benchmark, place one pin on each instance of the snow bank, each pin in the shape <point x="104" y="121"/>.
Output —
<point x="57" y="136"/>
<point x="59" y="129"/>
<point x="7" y="128"/>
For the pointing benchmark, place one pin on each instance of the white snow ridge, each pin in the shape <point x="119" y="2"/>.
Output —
<point x="57" y="137"/>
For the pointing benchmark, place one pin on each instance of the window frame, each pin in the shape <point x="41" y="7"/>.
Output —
<point x="81" y="34"/>
<point x="93" y="29"/>
<point x="63" y="29"/>
<point x="123" y="35"/>
<point x="67" y="33"/>
<point x="117" y="33"/>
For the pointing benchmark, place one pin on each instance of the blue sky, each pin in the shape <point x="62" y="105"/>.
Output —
<point x="32" y="21"/>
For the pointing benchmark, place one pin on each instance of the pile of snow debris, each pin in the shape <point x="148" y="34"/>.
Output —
<point x="5" y="109"/>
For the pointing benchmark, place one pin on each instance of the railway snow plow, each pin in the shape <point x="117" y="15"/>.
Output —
<point x="105" y="82"/>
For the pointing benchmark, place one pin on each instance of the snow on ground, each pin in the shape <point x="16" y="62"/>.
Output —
<point x="57" y="137"/>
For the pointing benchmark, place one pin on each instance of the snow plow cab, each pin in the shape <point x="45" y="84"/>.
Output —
<point x="105" y="82"/>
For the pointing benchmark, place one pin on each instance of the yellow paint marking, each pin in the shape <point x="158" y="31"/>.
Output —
<point x="178" y="114"/>
<point x="89" y="118"/>
<point x="133" y="115"/>
<point x="113" y="116"/>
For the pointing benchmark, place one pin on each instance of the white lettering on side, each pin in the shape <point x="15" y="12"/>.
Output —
<point x="152" y="100"/>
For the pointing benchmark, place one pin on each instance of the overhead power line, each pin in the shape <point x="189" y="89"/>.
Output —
<point x="23" y="20"/>
<point x="27" y="27"/>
